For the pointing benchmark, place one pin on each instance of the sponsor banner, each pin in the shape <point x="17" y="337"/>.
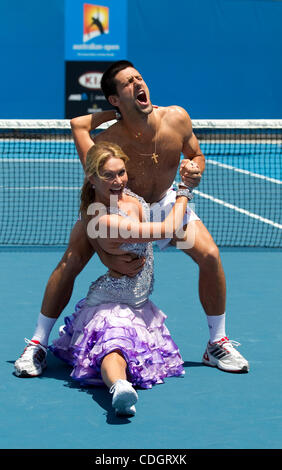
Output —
<point x="83" y="90"/>
<point x="95" y="30"/>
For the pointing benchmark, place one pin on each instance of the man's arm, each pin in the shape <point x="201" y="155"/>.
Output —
<point x="82" y="126"/>
<point x="193" y="166"/>
<point x="124" y="264"/>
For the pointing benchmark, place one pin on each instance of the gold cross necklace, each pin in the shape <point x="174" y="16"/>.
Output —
<point x="154" y="156"/>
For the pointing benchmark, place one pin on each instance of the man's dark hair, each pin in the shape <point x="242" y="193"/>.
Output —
<point x="108" y="83"/>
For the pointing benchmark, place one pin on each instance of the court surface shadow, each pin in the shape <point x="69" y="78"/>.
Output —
<point x="59" y="370"/>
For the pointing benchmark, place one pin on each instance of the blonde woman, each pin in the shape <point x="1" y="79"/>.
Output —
<point x="117" y="336"/>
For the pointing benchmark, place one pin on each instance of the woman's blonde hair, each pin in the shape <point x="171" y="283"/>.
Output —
<point x="95" y="159"/>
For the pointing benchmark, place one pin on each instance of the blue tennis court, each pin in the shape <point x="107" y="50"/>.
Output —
<point x="239" y="200"/>
<point x="206" y="409"/>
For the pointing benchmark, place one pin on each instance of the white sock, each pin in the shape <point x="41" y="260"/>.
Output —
<point x="216" y="325"/>
<point x="43" y="329"/>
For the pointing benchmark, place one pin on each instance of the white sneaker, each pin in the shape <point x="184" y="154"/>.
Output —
<point x="223" y="355"/>
<point x="124" y="398"/>
<point x="32" y="361"/>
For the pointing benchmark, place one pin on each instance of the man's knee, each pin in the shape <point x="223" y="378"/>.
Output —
<point x="205" y="251"/>
<point x="77" y="255"/>
<point x="73" y="261"/>
<point x="209" y="258"/>
<point x="206" y="255"/>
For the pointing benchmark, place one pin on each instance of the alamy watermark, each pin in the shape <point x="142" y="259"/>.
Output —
<point x="183" y="237"/>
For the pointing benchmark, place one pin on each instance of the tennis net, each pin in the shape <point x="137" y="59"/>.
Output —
<point x="238" y="199"/>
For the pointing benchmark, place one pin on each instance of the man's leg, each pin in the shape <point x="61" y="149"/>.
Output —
<point x="212" y="287"/>
<point x="60" y="284"/>
<point x="57" y="295"/>
<point x="212" y="292"/>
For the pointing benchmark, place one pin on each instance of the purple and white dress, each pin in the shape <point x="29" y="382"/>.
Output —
<point x="118" y="315"/>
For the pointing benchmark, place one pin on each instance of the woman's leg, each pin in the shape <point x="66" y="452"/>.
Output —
<point x="113" y="371"/>
<point x="113" y="368"/>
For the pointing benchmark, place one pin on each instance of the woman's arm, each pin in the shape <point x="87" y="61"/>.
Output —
<point x="114" y="229"/>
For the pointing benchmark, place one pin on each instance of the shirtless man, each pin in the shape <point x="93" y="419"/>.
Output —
<point x="154" y="138"/>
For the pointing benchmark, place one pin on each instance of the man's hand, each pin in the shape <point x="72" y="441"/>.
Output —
<point x="190" y="173"/>
<point x="121" y="265"/>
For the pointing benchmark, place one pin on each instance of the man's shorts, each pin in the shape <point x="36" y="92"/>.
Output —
<point x="159" y="210"/>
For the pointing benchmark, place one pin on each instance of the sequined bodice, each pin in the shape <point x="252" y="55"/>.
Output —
<point x="133" y="291"/>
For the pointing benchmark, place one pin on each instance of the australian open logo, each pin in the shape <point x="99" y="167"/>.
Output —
<point x="95" y="21"/>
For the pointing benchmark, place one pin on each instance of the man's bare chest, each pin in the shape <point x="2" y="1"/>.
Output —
<point x="153" y="156"/>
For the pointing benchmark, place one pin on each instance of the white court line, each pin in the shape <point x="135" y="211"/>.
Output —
<point x="239" y="142"/>
<point x="238" y="209"/>
<point x="42" y="188"/>
<point x="197" y="123"/>
<point x="40" y="160"/>
<point x="246" y="172"/>
<point x="69" y="140"/>
<point x="21" y="124"/>
<point x="204" y="195"/>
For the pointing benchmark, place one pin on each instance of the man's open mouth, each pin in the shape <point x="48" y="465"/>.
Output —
<point x="141" y="97"/>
